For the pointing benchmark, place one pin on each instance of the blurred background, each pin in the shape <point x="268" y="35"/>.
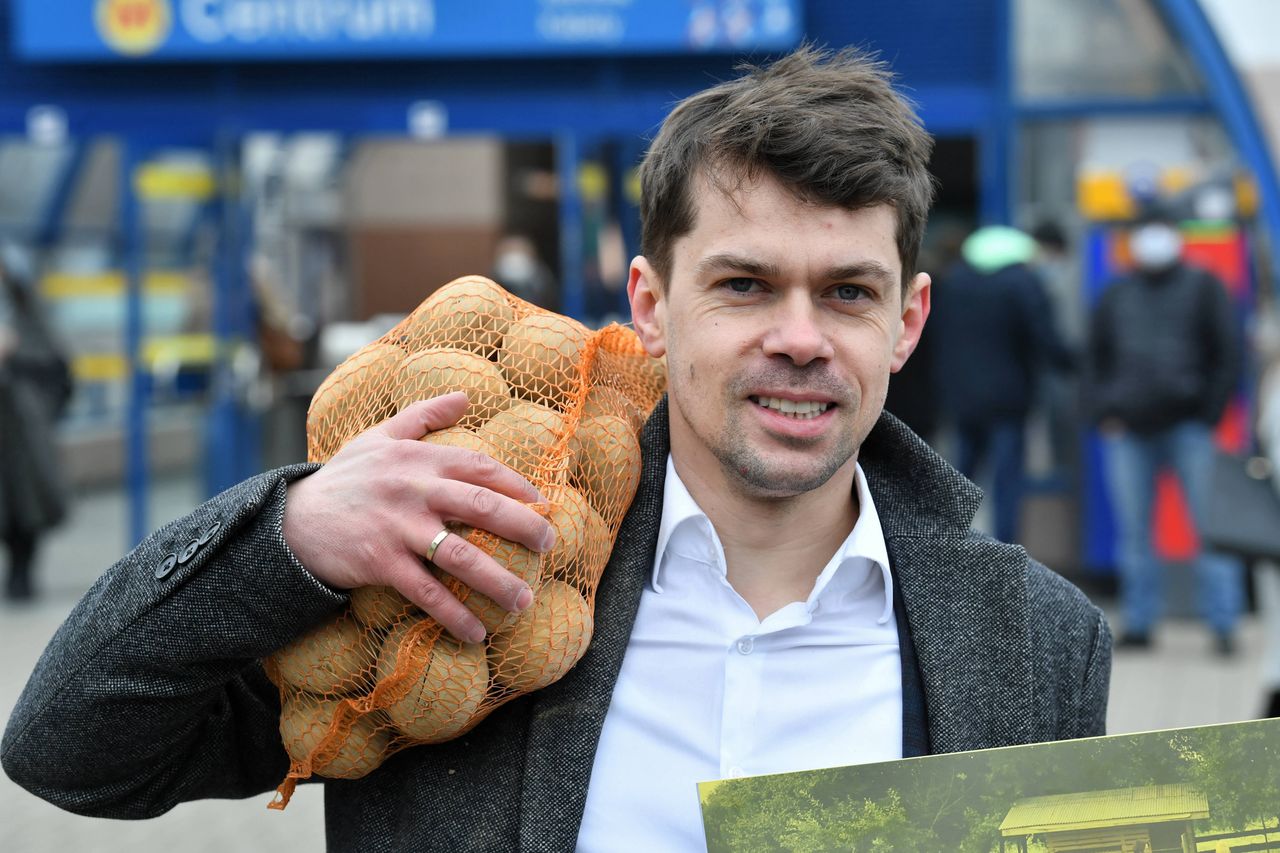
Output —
<point x="211" y="204"/>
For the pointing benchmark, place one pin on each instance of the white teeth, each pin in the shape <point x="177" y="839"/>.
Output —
<point x="803" y="409"/>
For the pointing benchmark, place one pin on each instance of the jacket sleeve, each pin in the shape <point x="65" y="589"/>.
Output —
<point x="1072" y="642"/>
<point x="1222" y="355"/>
<point x="1090" y="717"/>
<point x="151" y="693"/>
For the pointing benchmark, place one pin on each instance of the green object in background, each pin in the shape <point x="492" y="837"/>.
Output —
<point x="997" y="246"/>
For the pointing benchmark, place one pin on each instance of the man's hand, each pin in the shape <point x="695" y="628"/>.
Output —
<point x="368" y="516"/>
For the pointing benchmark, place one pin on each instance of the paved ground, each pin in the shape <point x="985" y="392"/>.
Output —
<point x="1179" y="683"/>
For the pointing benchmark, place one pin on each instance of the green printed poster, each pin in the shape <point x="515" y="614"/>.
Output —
<point x="1207" y="789"/>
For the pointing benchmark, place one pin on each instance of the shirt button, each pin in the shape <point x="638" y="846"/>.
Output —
<point x="745" y="645"/>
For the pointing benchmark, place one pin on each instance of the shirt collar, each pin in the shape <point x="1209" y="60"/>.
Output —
<point x="866" y="540"/>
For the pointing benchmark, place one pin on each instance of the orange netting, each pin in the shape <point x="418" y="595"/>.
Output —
<point x="557" y="402"/>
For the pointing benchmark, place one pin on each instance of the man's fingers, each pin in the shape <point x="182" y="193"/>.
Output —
<point x="424" y="416"/>
<point x="416" y="583"/>
<point x="478" y="570"/>
<point x="486" y="509"/>
<point x="470" y="466"/>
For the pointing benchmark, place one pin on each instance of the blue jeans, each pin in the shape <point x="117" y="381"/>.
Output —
<point x="1002" y="443"/>
<point x="1132" y="463"/>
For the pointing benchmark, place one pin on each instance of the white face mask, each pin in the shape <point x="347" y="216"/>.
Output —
<point x="1156" y="246"/>
<point x="514" y="266"/>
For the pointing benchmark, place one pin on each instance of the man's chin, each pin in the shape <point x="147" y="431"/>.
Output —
<point x="779" y="478"/>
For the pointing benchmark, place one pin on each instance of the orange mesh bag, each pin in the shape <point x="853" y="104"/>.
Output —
<point x="557" y="402"/>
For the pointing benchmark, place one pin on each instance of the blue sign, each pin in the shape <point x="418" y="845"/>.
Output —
<point x="229" y="30"/>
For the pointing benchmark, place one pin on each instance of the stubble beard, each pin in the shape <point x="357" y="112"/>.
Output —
<point x="750" y="466"/>
<point x="761" y="477"/>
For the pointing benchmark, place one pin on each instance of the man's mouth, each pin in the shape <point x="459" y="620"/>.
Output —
<point x="801" y="410"/>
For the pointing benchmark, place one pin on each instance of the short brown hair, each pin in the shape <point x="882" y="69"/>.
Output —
<point x="829" y="126"/>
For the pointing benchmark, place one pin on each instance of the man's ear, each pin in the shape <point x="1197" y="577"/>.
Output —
<point x="648" y="306"/>
<point x="915" y="311"/>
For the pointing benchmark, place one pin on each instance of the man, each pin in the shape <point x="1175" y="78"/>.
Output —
<point x="1163" y="364"/>
<point x="995" y="330"/>
<point x="761" y="609"/>
<point x="1060" y="393"/>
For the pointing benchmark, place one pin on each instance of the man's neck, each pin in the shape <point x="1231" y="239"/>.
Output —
<point x="775" y="547"/>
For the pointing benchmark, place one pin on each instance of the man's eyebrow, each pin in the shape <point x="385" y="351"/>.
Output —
<point x="872" y="271"/>
<point x="869" y="270"/>
<point x="729" y="262"/>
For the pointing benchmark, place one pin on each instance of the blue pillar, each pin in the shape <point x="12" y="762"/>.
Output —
<point x="998" y="138"/>
<point x="629" y="152"/>
<point x="233" y="443"/>
<point x="1188" y="21"/>
<point x="573" y="296"/>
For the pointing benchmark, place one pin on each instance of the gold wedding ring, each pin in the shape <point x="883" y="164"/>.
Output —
<point x="435" y="543"/>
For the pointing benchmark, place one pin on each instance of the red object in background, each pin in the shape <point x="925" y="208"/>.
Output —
<point x="1173" y="530"/>
<point x="1223" y="252"/>
<point x="1232" y="432"/>
<point x="1174" y="534"/>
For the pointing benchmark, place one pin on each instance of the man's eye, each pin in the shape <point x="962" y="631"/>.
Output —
<point x="742" y="285"/>
<point x="849" y="292"/>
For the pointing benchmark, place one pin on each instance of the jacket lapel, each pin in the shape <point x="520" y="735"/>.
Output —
<point x="915" y="726"/>
<point x="965" y="597"/>
<point x="967" y="614"/>
<point x="567" y="717"/>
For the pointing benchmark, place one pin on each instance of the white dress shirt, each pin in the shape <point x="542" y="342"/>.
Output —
<point x="709" y="691"/>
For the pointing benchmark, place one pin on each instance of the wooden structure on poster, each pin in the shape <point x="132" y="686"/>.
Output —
<point x="1149" y="819"/>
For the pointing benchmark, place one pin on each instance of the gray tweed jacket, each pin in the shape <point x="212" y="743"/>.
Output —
<point x="151" y="694"/>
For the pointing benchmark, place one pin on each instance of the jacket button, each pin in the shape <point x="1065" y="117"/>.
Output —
<point x="210" y="533"/>
<point x="166" y="566"/>
<point x="189" y="551"/>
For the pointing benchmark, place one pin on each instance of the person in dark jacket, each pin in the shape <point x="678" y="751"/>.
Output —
<point x="33" y="386"/>
<point x="996" y="335"/>
<point x="1163" y="364"/>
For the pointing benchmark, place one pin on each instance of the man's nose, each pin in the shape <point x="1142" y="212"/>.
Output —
<point x="796" y="331"/>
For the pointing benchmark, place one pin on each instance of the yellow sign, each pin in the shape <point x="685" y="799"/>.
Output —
<point x="164" y="180"/>
<point x="133" y="27"/>
<point x="192" y="351"/>
<point x="112" y="285"/>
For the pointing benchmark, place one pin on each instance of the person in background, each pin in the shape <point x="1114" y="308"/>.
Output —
<point x="1059" y="397"/>
<point x="34" y="387"/>
<point x="913" y="390"/>
<point x="517" y="267"/>
<point x="1053" y="263"/>
<point x="996" y="334"/>
<point x="1163" y="362"/>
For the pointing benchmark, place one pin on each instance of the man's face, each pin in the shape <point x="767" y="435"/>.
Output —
<point x="781" y="323"/>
